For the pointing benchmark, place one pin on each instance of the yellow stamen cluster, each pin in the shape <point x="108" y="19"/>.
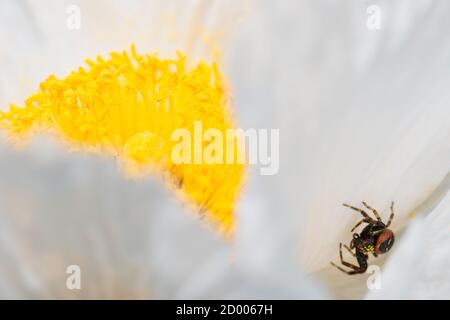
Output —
<point x="128" y="106"/>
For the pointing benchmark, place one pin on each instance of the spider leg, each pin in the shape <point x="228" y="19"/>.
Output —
<point x="362" y="261"/>
<point x="358" y="224"/>
<point x="350" y="272"/>
<point x="349" y="250"/>
<point x="375" y="212"/>
<point x="391" y="216"/>
<point x="364" y="214"/>
<point x="345" y="263"/>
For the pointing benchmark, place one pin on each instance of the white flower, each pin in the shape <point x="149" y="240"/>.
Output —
<point x="363" y="115"/>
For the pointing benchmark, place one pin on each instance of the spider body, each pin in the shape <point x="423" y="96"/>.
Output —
<point x="375" y="238"/>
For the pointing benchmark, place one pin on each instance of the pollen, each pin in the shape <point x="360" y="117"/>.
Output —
<point x="127" y="106"/>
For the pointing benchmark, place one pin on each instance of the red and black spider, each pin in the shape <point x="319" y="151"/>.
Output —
<point x="375" y="238"/>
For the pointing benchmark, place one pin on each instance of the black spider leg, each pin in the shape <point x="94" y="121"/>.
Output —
<point x="359" y="223"/>
<point x="350" y="250"/>
<point x="360" y="257"/>
<point x="367" y="218"/>
<point x="375" y="212"/>
<point x="391" y="216"/>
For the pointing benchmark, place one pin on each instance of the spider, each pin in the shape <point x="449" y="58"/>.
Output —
<point x="375" y="238"/>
